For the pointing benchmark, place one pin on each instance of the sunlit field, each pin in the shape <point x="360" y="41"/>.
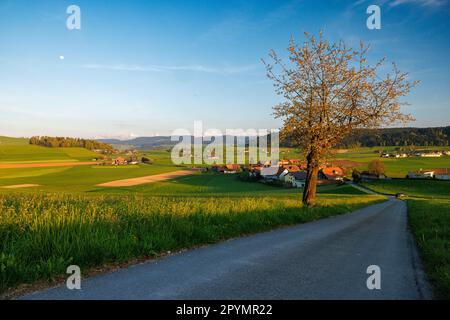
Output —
<point x="41" y="235"/>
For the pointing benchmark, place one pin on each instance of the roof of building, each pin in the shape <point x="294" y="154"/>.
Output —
<point x="232" y="166"/>
<point x="291" y="167"/>
<point x="300" y="175"/>
<point x="333" y="172"/>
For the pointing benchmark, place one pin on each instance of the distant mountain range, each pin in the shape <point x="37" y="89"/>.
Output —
<point x="435" y="136"/>
<point x="142" y="143"/>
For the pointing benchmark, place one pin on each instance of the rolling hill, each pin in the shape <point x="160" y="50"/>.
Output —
<point x="18" y="150"/>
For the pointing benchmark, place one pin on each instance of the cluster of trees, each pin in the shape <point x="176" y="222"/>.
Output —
<point x="54" y="142"/>
<point x="146" y="160"/>
<point x="376" y="167"/>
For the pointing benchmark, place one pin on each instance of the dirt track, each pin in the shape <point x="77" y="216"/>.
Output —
<point x="146" y="179"/>
<point x="17" y="186"/>
<point x="44" y="164"/>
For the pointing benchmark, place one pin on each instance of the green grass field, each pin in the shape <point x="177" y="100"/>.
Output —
<point x="75" y="179"/>
<point x="431" y="189"/>
<point x="40" y="235"/>
<point x="68" y="179"/>
<point x="17" y="150"/>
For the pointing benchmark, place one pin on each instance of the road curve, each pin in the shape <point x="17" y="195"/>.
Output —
<point x="325" y="259"/>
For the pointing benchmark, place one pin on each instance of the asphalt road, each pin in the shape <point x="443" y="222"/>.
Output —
<point x="325" y="259"/>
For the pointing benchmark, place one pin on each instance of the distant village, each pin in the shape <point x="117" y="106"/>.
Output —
<point x="127" y="157"/>
<point x="292" y="173"/>
<point x="287" y="173"/>
<point x="425" y="154"/>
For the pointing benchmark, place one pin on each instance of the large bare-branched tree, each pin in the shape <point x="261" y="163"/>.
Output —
<point x="329" y="90"/>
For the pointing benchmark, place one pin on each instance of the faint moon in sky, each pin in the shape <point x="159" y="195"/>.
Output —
<point x="61" y="57"/>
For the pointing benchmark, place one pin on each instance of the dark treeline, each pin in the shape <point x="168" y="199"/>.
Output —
<point x="54" y="142"/>
<point x="437" y="136"/>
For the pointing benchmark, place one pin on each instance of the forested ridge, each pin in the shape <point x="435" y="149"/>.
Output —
<point x="55" y="142"/>
<point x="435" y="136"/>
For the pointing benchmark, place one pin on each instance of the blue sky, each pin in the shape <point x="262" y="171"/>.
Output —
<point x="139" y="68"/>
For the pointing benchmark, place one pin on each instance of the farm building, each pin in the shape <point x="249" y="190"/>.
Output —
<point x="421" y="174"/>
<point x="119" y="161"/>
<point x="442" y="174"/>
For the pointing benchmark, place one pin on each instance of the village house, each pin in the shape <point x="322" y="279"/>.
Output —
<point x="231" y="168"/>
<point x="394" y="155"/>
<point x="333" y="173"/>
<point x="283" y="162"/>
<point x="291" y="168"/>
<point x="400" y="155"/>
<point x="255" y="170"/>
<point x="296" y="179"/>
<point x="119" y="161"/>
<point x="271" y="173"/>
<point x="227" y="168"/>
<point x="430" y="154"/>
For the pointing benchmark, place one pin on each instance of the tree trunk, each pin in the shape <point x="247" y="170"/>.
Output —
<point x="309" y="192"/>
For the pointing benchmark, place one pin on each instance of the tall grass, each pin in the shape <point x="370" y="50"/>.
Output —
<point x="40" y="235"/>
<point x="430" y="223"/>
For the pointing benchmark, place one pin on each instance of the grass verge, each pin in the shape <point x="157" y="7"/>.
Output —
<point x="430" y="224"/>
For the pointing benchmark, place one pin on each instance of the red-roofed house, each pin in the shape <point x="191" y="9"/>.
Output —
<point x="333" y="173"/>
<point x="291" y="167"/>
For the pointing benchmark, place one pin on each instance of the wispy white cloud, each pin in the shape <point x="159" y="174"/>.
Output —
<point x="425" y="3"/>
<point x="395" y="3"/>
<point x="161" y="68"/>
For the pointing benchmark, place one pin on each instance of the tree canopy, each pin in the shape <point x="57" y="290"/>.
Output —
<point x="329" y="90"/>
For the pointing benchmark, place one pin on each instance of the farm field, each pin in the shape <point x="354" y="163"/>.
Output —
<point x="430" y="189"/>
<point x="17" y="150"/>
<point x="42" y="234"/>
<point x="67" y="179"/>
